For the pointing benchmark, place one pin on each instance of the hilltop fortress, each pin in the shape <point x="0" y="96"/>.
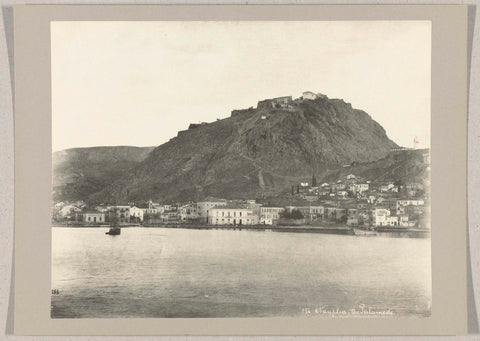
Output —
<point x="287" y="101"/>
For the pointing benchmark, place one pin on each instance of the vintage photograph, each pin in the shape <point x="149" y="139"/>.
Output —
<point x="241" y="169"/>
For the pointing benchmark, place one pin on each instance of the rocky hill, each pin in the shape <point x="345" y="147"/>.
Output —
<point x="80" y="172"/>
<point x="405" y="166"/>
<point x="254" y="153"/>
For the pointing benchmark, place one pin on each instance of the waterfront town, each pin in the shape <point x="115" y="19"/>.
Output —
<point x="348" y="202"/>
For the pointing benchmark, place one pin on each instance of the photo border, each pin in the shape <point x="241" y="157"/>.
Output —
<point x="33" y="169"/>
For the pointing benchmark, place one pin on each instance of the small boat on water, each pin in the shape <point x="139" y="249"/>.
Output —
<point x="364" y="232"/>
<point x="115" y="229"/>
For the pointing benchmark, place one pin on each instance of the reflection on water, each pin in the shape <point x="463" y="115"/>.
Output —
<point x="158" y="272"/>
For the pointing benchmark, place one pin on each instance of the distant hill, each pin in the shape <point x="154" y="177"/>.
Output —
<point x="80" y="172"/>
<point x="254" y="153"/>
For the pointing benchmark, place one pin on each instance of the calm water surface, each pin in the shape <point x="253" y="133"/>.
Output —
<point x="159" y="272"/>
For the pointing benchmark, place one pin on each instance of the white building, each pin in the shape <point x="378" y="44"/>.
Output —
<point x="232" y="215"/>
<point x="204" y="208"/>
<point x="101" y="208"/>
<point x="392" y="221"/>
<point x="168" y="208"/>
<point x="93" y="217"/>
<point x="387" y="187"/>
<point x="270" y="215"/>
<point x="402" y="203"/>
<point x="379" y="216"/>
<point x="154" y="208"/>
<point x="403" y="221"/>
<point x="68" y="210"/>
<point x="188" y="212"/>
<point x="309" y="95"/>
<point x="360" y="188"/>
<point x="316" y="212"/>
<point x="136" y="213"/>
<point x="121" y="211"/>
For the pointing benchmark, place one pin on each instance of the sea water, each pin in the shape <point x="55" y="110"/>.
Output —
<point x="167" y="272"/>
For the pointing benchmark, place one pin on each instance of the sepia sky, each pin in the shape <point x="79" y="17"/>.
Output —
<point x="138" y="83"/>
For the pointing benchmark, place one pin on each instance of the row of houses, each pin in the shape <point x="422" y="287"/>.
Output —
<point x="355" y="187"/>
<point x="214" y="211"/>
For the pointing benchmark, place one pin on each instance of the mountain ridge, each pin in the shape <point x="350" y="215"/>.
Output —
<point x="254" y="152"/>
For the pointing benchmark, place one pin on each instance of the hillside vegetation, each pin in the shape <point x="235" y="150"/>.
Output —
<point x="80" y="172"/>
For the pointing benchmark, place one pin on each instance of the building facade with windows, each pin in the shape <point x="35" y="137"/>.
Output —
<point x="93" y="217"/>
<point x="122" y="212"/>
<point x="270" y="215"/>
<point x="379" y="216"/>
<point x="232" y="216"/>
<point x="204" y="208"/>
<point x="401" y="204"/>
<point x="136" y="213"/>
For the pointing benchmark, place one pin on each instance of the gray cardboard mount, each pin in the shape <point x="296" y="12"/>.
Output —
<point x="33" y="173"/>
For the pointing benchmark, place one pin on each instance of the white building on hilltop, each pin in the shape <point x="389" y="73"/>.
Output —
<point x="309" y="95"/>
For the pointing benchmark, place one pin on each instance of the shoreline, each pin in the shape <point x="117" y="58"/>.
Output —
<point x="274" y="228"/>
<point x="337" y="230"/>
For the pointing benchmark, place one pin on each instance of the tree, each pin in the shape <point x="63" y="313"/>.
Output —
<point x="314" y="181"/>
<point x="296" y="214"/>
